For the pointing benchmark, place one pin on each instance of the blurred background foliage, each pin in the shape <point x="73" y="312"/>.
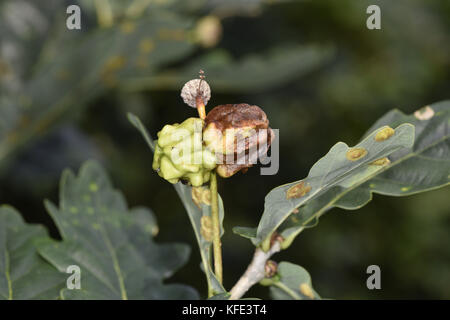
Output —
<point x="313" y="66"/>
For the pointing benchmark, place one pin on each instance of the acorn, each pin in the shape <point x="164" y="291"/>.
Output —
<point x="238" y="134"/>
<point x="231" y="138"/>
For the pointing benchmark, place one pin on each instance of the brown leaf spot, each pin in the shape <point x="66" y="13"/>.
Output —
<point x="381" y="162"/>
<point x="356" y="153"/>
<point x="146" y="46"/>
<point x="4" y="68"/>
<point x="171" y="34"/>
<point x="201" y="195"/>
<point x="206" y="228"/>
<point x="111" y="66"/>
<point x="62" y="75"/>
<point x="298" y="191"/>
<point x="127" y="27"/>
<point x="384" y="134"/>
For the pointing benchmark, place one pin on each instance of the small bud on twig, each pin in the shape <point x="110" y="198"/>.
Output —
<point x="276" y="237"/>
<point x="270" y="269"/>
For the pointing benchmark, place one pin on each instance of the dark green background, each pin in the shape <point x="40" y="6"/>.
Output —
<point x="404" y="65"/>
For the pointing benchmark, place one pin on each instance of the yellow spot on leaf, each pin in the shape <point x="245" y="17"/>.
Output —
<point x="372" y="185"/>
<point x="111" y="66"/>
<point x="4" y="68"/>
<point x="73" y="209"/>
<point x="356" y="153"/>
<point x="146" y="46"/>
<point x="172" y="34"/>
<point x="93" y="187"/>
<point x="96" y="226"/>
<point x="62" y="75"/>
<point x="424" y="113"/>
<point x="127" y="27"/>
<point x="90" y="210"/>
<point x="384" y="134"/>
<point x="298" y="190"/>
<point x="306" y="290"/>
<point x="110" y="80"/>
<point x="381" y="162"/>
<point x="153" y="230"/>
<point x="114" y="63"/>
<point x="406" y="188"/>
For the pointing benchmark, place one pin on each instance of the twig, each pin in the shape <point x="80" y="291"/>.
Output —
<point x="255" y="271"/>
<point x="217" y="245"/>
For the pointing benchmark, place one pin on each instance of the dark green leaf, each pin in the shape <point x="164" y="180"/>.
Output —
<point x="332" y="175"/>
<point x="24" y="275"/>
<point x="251" y="73"/>
<point x="110" y="243"/>
<point x="413" y="168"/>
<point x="426" y="165"/>
<point x="245" y="232"/>
<point x="59" y="82"/>
<point x="422" y="167"/>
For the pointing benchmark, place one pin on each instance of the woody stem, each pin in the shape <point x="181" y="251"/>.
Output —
<point x="255" y="271"/>
<point x="217" y="245"/>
